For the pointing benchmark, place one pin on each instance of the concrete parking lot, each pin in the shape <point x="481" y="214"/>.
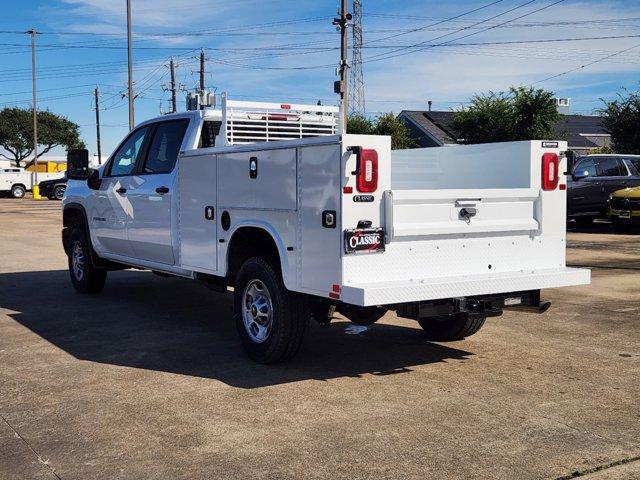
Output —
<point x="148" y="380"/>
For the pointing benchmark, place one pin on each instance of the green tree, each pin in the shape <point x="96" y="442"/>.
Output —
<point x="621" y="117"/>
<point x="385" y="124"/>
<point x="16" y="134"/>
<point x="521" y="114"/>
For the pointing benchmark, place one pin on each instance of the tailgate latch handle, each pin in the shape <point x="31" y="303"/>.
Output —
<point x="467" y="213"/>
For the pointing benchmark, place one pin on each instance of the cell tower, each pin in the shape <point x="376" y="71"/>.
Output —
<point x="356" y="87"/>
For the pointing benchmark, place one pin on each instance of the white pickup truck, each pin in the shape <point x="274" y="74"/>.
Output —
<point x="18" y="181"/>
<point x="302" y="221"/>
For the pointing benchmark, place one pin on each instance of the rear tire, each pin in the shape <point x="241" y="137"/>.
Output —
<point x="451" y="327"/>
<point x="270" y="319"/>
<point x="18" y="191"/>
<point x="84" y="276"/>
<point x="58" y="192"/>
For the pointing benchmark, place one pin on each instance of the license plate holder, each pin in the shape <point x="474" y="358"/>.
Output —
<point x="364" y="240"/>
<point x="624" y="214"/>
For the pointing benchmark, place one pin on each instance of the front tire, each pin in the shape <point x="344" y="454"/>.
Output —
<point x="451" y="327"/>
<point x="18" y="191"/>
<point x="270" y="319"/>
<point x="84" y="276"/>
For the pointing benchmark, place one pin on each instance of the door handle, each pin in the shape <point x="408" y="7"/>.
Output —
<point x="162" y="190"/>
<point x="121" y="190"/>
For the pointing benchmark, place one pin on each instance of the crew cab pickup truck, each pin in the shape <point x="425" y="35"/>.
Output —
<point x="301" y="220"/>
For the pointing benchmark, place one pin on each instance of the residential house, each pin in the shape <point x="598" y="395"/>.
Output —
<point x="584" y="133"/>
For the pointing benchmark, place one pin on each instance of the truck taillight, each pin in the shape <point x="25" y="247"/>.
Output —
<point x="550" y="174"/>
<point x="367" y="179"/>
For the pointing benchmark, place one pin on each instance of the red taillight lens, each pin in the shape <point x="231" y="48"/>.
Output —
<point x="367" y="180"/>
<point x="550" y="174"/>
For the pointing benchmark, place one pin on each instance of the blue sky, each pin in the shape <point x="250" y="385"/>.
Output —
<point x="83" y="45"/>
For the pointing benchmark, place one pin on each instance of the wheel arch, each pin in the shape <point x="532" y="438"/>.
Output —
<point x="251" y="239"/>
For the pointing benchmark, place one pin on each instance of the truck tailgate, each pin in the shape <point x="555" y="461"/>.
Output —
<point x="427" y="213"/>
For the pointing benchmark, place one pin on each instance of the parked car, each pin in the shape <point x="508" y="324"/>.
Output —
<point x="17" y="181"/>
<point x="53" y="189"/>
<point x="593" y="179"/>
<point x="624" y="208"/>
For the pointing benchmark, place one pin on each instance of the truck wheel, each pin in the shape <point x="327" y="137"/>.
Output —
<point x="18" y="191"/>
<point x="364" y="316"/>
<point x="84" y="276"/>
<point x="58" y="192"/>
<point x="270" y="319"/>
<point x="451" y="327"/>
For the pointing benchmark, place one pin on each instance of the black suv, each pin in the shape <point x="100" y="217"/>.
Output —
<point x="53" y="189"/>
<point x="595" y="177"/>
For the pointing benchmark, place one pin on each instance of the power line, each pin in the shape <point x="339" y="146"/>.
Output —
<point x="581" y="67"/>
<point x="402" y="51"/>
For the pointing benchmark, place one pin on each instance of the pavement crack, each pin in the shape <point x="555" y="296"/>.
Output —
<point x="599" y="468"/>
<point x="40" y="459"/>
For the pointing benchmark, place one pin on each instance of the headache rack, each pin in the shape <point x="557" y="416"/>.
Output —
<point x="250" y="122"/>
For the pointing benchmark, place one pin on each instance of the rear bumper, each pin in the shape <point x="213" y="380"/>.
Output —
<point x="386" y="293"/>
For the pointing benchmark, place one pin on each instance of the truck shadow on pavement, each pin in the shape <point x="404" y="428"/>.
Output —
<point x="178" y="326"/>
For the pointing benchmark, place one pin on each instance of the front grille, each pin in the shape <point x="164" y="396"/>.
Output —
<point x="625" y="203"/>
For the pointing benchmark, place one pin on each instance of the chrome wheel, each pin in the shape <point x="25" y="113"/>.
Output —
<point x="257" y="311"/>
<point x="77" y="261"/>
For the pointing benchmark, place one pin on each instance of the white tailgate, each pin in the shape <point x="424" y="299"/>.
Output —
<point x="436" y="212"/>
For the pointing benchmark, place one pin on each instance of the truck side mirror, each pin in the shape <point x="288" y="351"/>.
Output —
<point x="78" y="164"/>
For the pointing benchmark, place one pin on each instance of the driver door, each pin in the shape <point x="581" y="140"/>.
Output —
<point x="111" y="210"/>
<point x="584" y="188"/>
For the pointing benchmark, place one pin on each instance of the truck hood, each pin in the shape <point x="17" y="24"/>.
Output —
<point x="633" y="192"/>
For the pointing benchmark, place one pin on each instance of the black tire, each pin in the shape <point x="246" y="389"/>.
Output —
<point x="584" y="221"/>
<point x="452" y="327"/>
<point x="364" y="316"/>
<point x="86" y="278"/>
<point x="18" y="191"/>
<point x="289" y="313"/>
<point x="58" y="192"/>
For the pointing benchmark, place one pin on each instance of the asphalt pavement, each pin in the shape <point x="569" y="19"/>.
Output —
<point x="148" y="380"/>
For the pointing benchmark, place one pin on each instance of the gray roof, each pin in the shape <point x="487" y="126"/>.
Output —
<point x="570" y="127"/>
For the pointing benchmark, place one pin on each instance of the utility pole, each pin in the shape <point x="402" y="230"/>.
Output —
<point x="34" y="108"/>
<point x="172" y="70"/>
<point x="130" y="67"/>
<point x="341" y="86"/>
<point x="356" y="86"/>
<point x="97" y="96"/>
<point x="202" y="70"/>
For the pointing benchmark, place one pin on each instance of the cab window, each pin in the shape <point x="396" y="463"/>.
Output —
<point x="210" y="130"/>
<point x="610" y="167"/>
<point x="587" y="165"/>
<point x="164" y="149"/>
<point x="124" y="160"/>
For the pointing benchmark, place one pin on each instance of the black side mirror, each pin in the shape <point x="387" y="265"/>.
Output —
<point x="94" y="181"/>
<point x="78" y="164"/>
<point x="580" y="175"/>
